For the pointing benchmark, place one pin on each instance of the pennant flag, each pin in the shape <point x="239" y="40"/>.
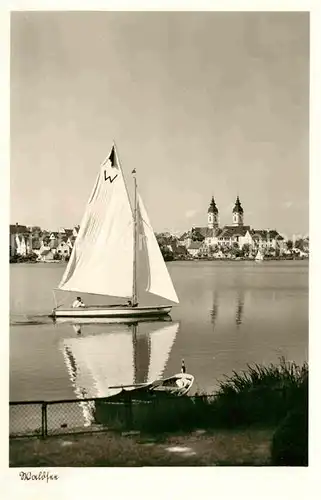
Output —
<point x="112" y="157"/>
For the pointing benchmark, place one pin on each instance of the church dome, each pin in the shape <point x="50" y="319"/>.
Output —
<point x="212" y="209"/>
<point x="238" y="207"/>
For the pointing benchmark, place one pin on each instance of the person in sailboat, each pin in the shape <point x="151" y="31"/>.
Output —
<point x="78" y="303"/>
<point x="131" y="304"/>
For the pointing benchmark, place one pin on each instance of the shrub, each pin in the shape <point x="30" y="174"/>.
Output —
<point x="290" y="440"/>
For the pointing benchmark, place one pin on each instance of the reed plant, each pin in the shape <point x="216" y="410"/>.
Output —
<point x="261" y="394"/>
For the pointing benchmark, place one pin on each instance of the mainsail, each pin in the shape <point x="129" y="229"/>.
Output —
<point x="102" y="258"/>
<point x="159" y="280"/>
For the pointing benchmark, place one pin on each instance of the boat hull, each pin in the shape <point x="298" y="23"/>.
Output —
<point x="111" y="321"/>
<point x="177" y="385"/>
<point x="111" y="312"/>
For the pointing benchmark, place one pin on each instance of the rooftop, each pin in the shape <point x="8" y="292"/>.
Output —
<point x="229" y="231"/>
<point x="195" y="245"/>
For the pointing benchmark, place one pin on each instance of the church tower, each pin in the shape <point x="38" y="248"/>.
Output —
<point x="237" y="213"/>
<point x="212" y="215"/>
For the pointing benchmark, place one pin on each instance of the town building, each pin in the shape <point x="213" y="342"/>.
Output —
<point x="25" y="241"/>
<point x="63" y="249"/>
<point x="214" y="238"/>
<point x="46" y="254"/>
<point x="194" y="248"/>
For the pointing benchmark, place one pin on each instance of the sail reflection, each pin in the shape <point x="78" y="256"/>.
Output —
<point x="123" y="355"/>
<point x="142" y="353"/>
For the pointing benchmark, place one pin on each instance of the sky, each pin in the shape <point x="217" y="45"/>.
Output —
<point x="200" y="103"/>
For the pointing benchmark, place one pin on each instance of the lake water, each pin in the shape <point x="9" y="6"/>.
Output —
<point x="230" y="314"/>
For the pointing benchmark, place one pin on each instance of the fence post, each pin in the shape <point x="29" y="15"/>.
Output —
<point x="129" y="411"/>
<point x="44" y="427"/>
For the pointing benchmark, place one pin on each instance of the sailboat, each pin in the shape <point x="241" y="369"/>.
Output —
<point x="104" y="258"/>
<point x="259" y="256"/>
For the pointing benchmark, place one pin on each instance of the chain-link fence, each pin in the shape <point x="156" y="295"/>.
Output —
<point x="27" y="419"/>
<point x="43" y="418"/>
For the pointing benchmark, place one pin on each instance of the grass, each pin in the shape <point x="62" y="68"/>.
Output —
<point x="262" y="394"/>
<point x="251" y="447"/>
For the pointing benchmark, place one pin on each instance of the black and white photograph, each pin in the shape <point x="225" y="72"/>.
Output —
<point x="158" y="239"/>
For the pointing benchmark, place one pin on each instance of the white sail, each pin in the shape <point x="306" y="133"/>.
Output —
<point x="259" y="256"/>
<point x="159" y="280"/>
<point x="102" y="258"/>
<point x="161" y="345"/>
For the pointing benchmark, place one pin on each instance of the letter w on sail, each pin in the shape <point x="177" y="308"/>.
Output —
<point x="108" y="178"/>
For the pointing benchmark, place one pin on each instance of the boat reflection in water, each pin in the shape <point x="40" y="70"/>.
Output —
<point x="123" y="354"/>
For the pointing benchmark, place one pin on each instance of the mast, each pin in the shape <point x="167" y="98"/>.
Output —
<point x="134" y="295"/>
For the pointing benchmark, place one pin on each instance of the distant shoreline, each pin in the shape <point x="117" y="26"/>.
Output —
<point x="186" y="260"/>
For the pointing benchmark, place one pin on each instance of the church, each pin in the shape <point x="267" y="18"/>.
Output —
<point x="229" y="235"/>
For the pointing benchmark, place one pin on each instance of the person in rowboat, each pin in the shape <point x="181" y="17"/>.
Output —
<point x="78" y="303"/>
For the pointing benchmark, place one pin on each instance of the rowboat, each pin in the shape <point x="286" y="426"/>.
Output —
<point x="176" y="385"/>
